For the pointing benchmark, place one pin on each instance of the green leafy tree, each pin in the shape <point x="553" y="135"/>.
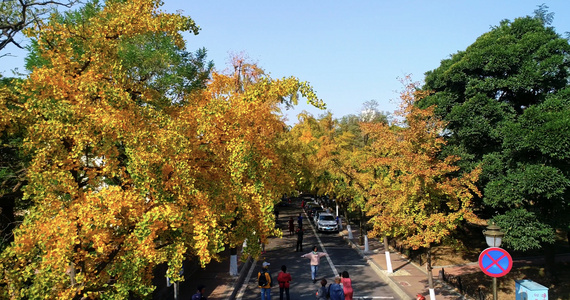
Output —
<point x="505" y="99"/>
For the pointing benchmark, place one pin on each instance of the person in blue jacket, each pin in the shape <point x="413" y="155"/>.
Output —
<point x="335" y="290"/>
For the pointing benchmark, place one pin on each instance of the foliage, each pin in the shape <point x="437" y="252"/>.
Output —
<point x="12" y="160"/>
<point x="335" y="151"/>
<point x="505" y="100"/>
<point x="415" y="194"/>
<point x="133" y="165"/>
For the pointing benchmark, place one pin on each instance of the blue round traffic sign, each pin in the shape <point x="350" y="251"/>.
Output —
<point x="495" y="262"/>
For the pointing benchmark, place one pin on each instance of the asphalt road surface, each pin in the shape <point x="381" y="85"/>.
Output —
<point x="341" y="257"/>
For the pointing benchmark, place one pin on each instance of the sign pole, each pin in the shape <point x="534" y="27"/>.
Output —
<point x="495" y="262"/>
<point x="495" y="288"/>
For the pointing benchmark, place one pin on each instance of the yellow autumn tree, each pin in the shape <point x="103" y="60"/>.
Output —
<point x="418" y="196"/>
<point x="238" y="123"/>
<point x="97" y="226"/>
<point x="122" y="179"/>
<point x="318" y="147"/>
<point x="336" y="156"/>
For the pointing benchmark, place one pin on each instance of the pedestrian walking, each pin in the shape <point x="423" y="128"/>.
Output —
<point x="346" y="286"/>
<point x="200" y="293"/>
<point x="299" y="246"/>
<point x="264" y="281"/>
<point x="315" y="258"/>
<point x="291" y="226"/>
<point x="262" y="243"/>
<point x="335" y="290"/>
<point x="322" y="293"/>
<point x="300" y="220"/>
<point x="339" y="222"/>
<point x="284" y="278"/>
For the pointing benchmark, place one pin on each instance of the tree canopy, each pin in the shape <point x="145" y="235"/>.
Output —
<point x="138" y="159"/>
<point x="505" y="99"/>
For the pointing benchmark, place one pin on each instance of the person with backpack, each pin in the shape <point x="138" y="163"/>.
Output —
<point x="315" y="257"/>
<point x="322" y="293"/>
<point x="284" y="278"/>
<point x="335" y="290"/>
<point x="200" y="293"/>
<point x="264" y="281"/>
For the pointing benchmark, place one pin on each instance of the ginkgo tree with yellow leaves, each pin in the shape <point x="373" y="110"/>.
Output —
<point x="336" y="154"/>
<point x="416" y="197"/>
<point x="121" y="179"/>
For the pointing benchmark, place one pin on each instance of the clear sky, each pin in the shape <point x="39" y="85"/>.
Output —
<point x="350" y="51"/>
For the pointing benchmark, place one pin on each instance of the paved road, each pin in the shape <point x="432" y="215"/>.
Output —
<point x="366" y="283"/>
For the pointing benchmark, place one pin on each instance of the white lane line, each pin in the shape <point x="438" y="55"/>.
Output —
<point x="350" y="266"/>
<point x="322" y="246"/>
<point x="244" y="284"/>
<point x="354" y="297"/>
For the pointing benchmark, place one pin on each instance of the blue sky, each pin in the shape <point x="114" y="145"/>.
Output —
<point x="350" y="51"/>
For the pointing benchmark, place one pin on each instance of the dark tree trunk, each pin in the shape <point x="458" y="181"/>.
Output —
<point x="7" y="217"/>
<point x="550" y="261"/>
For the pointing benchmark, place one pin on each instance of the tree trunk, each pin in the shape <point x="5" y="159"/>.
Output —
<point x="233" y="262"/>
<point x="7" y="217"/>
<point x="362" y="229"/>
<point x="345" y="212"/>
<point x="430" y="275"/>
<point x="550" y="260"/>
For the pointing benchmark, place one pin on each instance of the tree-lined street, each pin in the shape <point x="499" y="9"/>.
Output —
<point x="124" y="157"/>
<point x="341" y="257"/>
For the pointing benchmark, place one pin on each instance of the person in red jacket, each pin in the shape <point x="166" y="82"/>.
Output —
<point x="283" y="279"/>
<point x="346" y="286"/>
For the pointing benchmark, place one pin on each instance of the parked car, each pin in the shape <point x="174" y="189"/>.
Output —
<point x="326" y="222"/>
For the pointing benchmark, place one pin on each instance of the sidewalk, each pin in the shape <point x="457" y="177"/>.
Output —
<point x="216" y="277"/>
<point x="411" y="278"/>
<point x="408" y="278"/>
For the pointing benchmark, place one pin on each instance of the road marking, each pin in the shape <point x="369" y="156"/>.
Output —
<point x="355" y="297"/>
<point x="350" y="266"/>
<point x="322" y="246"/>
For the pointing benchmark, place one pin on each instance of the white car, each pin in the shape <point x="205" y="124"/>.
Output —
<point x="326" y="222"/>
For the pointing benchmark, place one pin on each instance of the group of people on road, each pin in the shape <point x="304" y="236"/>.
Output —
<point x="341" y="289"/>
<point x="265" y="282"/>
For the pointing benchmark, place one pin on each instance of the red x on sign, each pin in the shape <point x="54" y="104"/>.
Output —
<point x="495" y="262"/>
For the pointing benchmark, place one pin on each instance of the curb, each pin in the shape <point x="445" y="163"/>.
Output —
<point x="444" y="284"/>
<point x="393" y="285"/>
<point x="241" y="277"/>
<point x="382" y="273"/>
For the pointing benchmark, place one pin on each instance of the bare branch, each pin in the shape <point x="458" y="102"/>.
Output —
<point x="22" y="14"/>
